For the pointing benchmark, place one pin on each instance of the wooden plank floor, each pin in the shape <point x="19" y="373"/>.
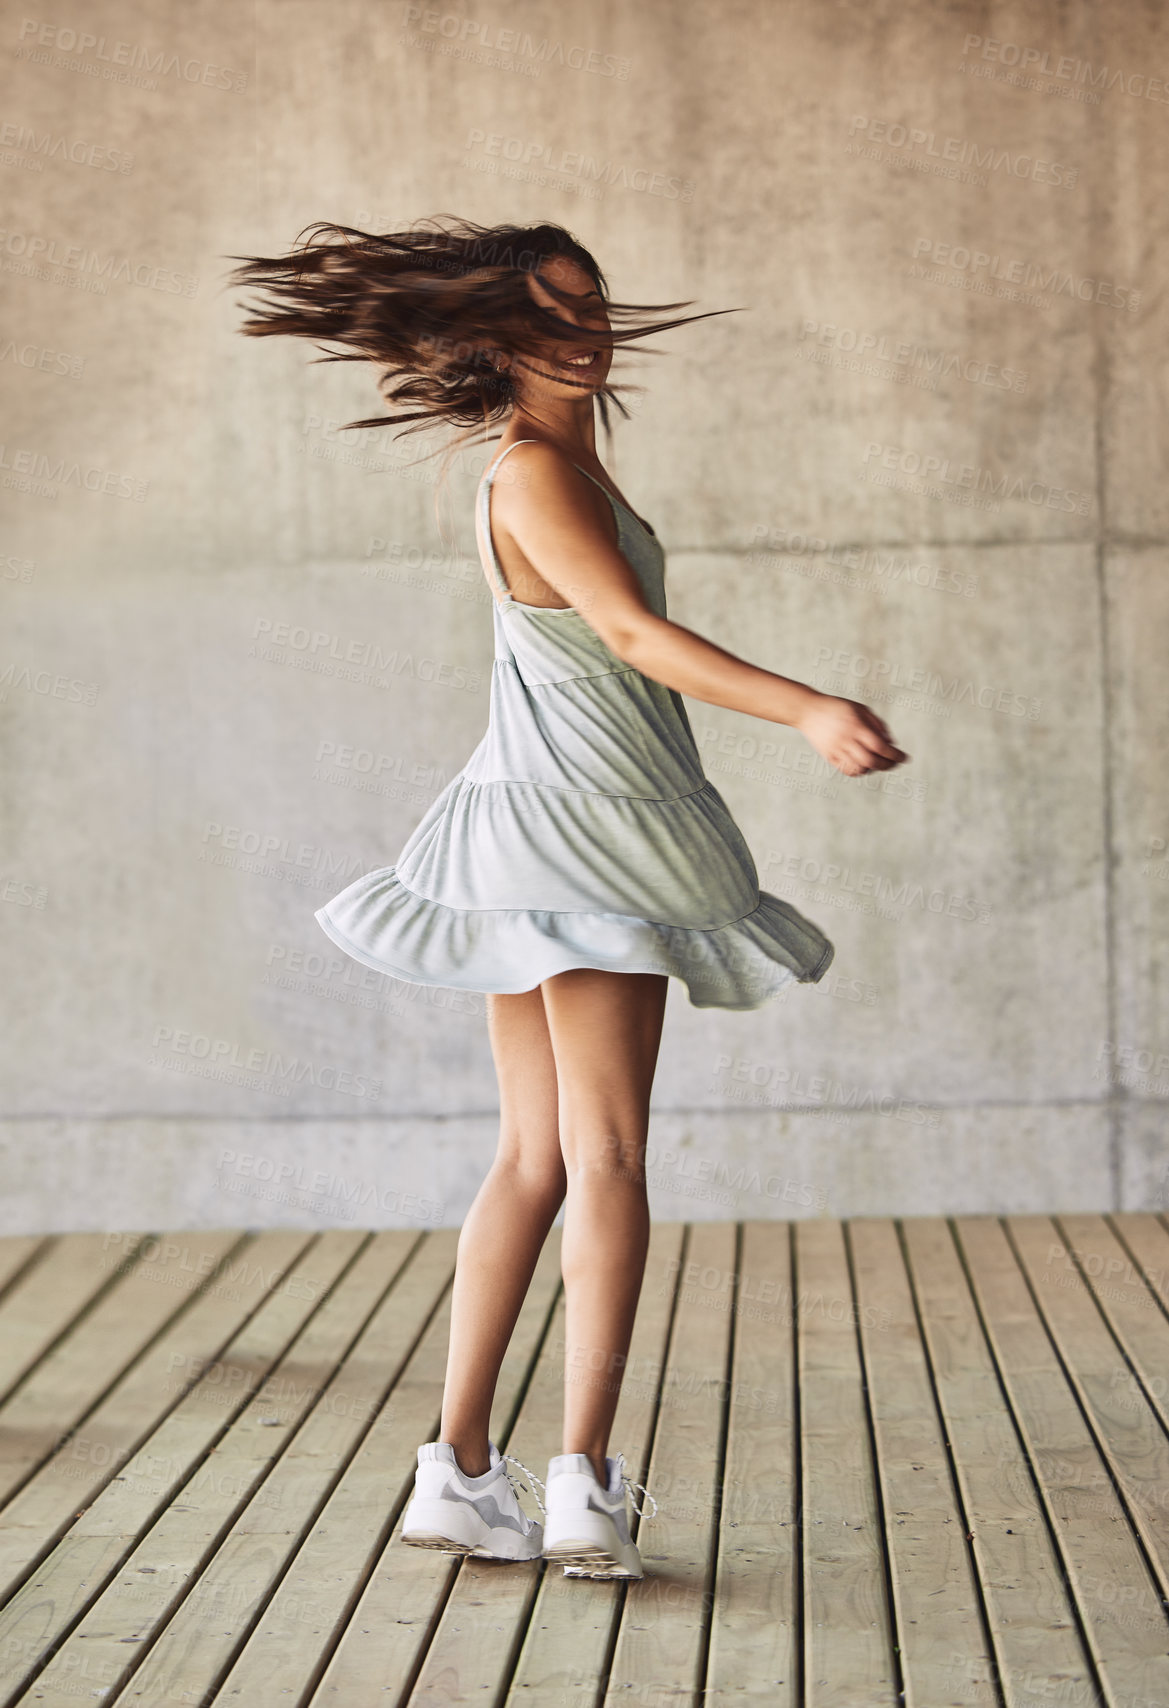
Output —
<point x="919" y="1462"/>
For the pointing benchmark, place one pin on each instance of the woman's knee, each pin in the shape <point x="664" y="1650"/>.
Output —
<point x="528" y="1172"/>
<point x="608" y="1157"/>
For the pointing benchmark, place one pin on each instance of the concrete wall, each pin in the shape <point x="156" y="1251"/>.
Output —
<point x="944" y="230"/>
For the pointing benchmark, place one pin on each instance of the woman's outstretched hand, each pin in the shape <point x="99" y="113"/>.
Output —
<point x="849" y="736"/>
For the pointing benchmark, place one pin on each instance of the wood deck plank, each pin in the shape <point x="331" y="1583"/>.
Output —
<point x="1127" y="1643"/>
<point x="935" y="1592"/>
<point x="1036" y="1651"/>
<point x="64" y="1591"/>
<point x="755" y="1619"/>
<point x="848" y="1633"/>
<point x="49" y="1295"/>
<point x="313" y="1528"/>
<point x="75" y="1375"/>
<point x="17" y="1253"/>
<point x="1087" y="1319"/>
<point x="72" y="1477"/>
<point x="662" y="1641"/>
<point x="125" y="1619"/>
<point x="1146" y="1238"/>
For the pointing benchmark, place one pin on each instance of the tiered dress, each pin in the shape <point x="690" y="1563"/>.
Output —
<point x="581" y="832"/>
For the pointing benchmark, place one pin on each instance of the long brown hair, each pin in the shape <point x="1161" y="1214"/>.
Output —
<point x="433" y="306"/>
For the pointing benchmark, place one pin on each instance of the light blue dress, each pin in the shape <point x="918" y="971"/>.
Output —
<point x="581" y="832"/>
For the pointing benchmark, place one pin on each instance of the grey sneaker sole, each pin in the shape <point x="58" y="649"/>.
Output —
<point x="462" y="1550"/>
<point x="443" y="1544"/>
<point x="586" y="1560"/>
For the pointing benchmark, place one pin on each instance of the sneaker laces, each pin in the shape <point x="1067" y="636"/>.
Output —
<point x="507" y="1459"/>
<point x="629" y="1485"/>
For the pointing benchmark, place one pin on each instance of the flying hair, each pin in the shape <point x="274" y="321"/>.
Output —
<point x="434" y="307"/>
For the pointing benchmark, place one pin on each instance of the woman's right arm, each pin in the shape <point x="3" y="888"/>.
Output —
<point x="552" y="516"/>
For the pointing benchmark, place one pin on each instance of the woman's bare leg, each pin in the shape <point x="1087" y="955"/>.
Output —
<point x="605" y="1030"/>
<point x="507" y="1224"/>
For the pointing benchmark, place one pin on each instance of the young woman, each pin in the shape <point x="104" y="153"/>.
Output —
<point x="581" y="858"/>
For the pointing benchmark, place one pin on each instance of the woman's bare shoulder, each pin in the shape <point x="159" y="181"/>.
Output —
<point x="535" y="461"/>
<point x="544" y="477"/>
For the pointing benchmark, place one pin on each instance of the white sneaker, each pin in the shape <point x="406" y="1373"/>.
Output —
<point x="470" y="1515"/>
<point x="586" y="1527"/>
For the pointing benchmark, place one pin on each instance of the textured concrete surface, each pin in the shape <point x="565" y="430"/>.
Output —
<point x="922" y="466"/>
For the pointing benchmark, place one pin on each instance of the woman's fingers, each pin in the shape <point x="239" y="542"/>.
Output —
<point x="851" y="761"/>
<point x="859" y="757"/>
<point x="855" y="740"/>
<point x="885" y="742"/>
<point x="872" y="744"/>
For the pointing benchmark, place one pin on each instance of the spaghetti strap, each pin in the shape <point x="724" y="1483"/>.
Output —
<point x="616" y="502"/>
<point x="485" y="517"/>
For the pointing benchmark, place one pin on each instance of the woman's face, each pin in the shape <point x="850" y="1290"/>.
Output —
<point x="573" y="366"/>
